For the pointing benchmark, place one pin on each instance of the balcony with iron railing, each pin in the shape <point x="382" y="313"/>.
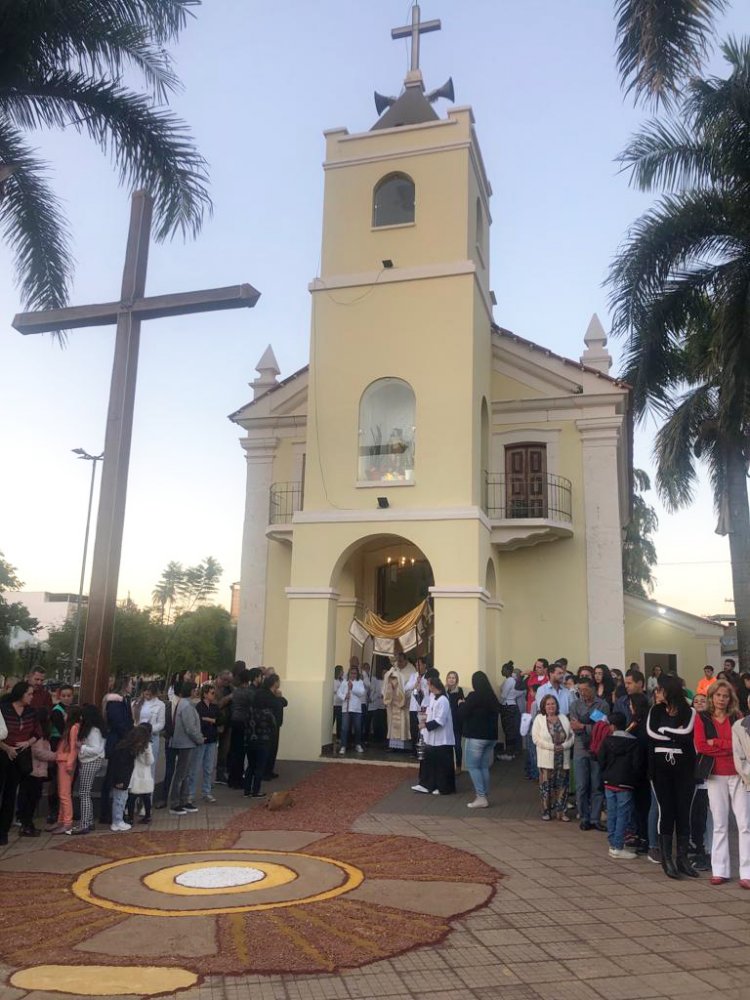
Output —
<point x="284" y="500"/>
<point x="527" y="510"/>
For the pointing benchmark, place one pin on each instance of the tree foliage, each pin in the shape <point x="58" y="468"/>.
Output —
<point x="13" y="614"/>
<point x="181" y="589"/>
<point x="62" y="65"/>
<point x="638" y="549"/>
<point x="661" y="44"/>
<point x="681" y="297"/>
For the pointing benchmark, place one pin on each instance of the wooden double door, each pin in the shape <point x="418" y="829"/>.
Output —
<point x="526" y="480"/>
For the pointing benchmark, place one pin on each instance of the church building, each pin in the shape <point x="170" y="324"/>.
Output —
<point x="429" y="480"/>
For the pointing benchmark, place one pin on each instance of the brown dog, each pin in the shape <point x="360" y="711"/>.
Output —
<point x="280" y="800"/>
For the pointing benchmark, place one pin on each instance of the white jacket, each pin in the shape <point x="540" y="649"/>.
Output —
<point x="153" y="712"/>
<point x="3" y="728"/>
<point x="419" y="684"/>
<point x="351" y="701"/>
<point x="141" y="781"/>
<point x="92" y="747"/>
<point x="545" y="748"/>
<point x="741" y="750"/>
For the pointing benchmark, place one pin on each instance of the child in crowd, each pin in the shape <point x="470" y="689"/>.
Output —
<point x="141" y="785"/>
<point x="42" y="755"/>
<point x="67" y="759"/>
<point x="622" y="765"/>
<point x="91" y="760"/>
<point x="120" y="770"/>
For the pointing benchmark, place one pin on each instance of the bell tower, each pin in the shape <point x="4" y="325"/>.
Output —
<point x="399" y="381"/>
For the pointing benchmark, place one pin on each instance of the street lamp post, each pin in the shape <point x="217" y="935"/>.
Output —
<point x="76" y="636"/>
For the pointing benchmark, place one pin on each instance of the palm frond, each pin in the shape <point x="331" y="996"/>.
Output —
<point x="151" y="149"/>
<point x="689" y="422"/>
<point x="661" y="43"/>
<point x="33" y="225"/>
<point x="666" y="154"/>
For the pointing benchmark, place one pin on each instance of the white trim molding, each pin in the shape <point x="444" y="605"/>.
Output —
<point x="390" y="515"/>
<point x="388" y="276"/>
<point x="312" y="593"/>
<point x="459" y="591"/>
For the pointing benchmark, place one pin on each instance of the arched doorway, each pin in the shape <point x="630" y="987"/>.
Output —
<point x="385" y="574"/>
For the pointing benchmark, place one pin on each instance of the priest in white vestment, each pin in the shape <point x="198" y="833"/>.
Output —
<point x="398" y="685"/>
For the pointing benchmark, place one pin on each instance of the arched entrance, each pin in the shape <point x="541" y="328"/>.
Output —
<point x="385" y="574"/>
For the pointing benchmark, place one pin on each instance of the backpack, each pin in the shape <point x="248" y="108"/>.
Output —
<point x="598" y="735"/>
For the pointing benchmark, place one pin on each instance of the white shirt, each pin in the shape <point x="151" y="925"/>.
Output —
<point x="92" y="747"/>
<point x="376" y="695"/>
<point x="508" y="691"/>
<point x="419" y="684"/>
<point x="352" y="700"/>
<point x="153" y="712"/>
<point x="336" y="699"/>
<point x="439" y="710"/>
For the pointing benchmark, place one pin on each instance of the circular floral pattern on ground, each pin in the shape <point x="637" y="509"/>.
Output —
<point x="411" y="891"/>
<point x="145" y="884"/>
<point x="218" y="877"/>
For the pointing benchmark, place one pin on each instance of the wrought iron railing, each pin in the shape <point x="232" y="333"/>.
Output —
<point x="532" y="496"/>
<point x="285" y="499"/>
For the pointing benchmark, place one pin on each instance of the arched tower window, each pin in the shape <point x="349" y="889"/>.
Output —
<point x="393" y="201"/>
<point x="386" y="431"/>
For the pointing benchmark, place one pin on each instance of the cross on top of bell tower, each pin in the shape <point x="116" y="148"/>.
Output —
<point x="413" y="31"/>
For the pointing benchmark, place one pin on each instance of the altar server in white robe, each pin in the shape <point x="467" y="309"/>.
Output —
<point x="437" y="773"/>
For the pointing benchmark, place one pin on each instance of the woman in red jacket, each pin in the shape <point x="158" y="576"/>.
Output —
<point x="726" y="790"/>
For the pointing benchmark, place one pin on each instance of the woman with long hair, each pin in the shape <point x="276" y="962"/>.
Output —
<point x="553" y="739"/>
<point x="604" y="683"/>
<point x="150" y="710"/>
<point x="726" y="789"/>
<point x="456" y="697"/>
<point x="669" y="727"/>
<point x="67" y="761"/>
<point x="479" y="714"/>
<point x="638" y="705"/>
<point x="437" y="774"/>
<point x="352" y="693"/>
<point x="90" y="761"/>
<point x="15" y="752"/>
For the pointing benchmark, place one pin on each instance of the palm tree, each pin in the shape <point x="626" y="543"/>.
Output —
<point x="167" y="590"/>
<point x="681" y="296"/>
<point x="662" y="43"/>
<point x="638" y="549"/>
<point x="61" y="66"/>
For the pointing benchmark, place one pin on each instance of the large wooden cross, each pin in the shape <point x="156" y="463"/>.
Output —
<point x="413" y="31"/>
<point x="133" y="307"/>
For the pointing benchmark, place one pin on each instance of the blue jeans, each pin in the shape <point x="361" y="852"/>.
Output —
<point x="478" y="757"/>
<point x="119" y="801"/>
<point x="619" y="812"/>
<point x="204" y="767"/>
<point x="588" y="788"/>
<point x="353" y="721"/>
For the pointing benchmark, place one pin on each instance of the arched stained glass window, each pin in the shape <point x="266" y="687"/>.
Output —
<point x="393" y="201"/>
<point x="386" y="431"/>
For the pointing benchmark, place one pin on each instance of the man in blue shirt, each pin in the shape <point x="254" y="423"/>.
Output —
<point x="555" y="687"/>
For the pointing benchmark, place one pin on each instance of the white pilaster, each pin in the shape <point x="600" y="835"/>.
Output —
<point x="259" y="453"/>
<point x="606" y="613"/>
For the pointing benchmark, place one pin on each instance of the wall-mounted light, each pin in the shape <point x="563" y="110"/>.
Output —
<point x="383" y="503"/>
<point x="388" y="264"/>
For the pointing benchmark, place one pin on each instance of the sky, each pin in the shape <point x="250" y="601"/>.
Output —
<point x="261" y="83"/>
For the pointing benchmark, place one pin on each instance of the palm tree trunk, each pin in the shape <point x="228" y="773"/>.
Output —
<point x="739" y="550"/>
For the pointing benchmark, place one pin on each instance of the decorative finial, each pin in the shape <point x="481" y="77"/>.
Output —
<point x="268" y="370"/>
<point x="596" y="354"/>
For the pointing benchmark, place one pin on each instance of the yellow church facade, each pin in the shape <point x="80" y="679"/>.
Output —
<point x="425" y="453"/>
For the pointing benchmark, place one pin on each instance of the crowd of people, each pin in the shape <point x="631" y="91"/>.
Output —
<point x="219" y="732"/>
<point x="654" y="765"/>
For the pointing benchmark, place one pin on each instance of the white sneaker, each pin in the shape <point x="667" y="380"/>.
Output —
<point x="436" y="791"/>
<point x="342" y="751"/>
<point x="505" y="756"/>
<point x="208" y="798"/>
<point x="120" y="827"/>
<point x="480" y="802"/>
<point x="612" y="852"/>
<point x="420" y="788"/>
<point x="623" y="855"/>
<point x="359" y="749"/>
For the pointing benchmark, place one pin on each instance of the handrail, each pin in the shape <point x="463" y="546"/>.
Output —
<point x="284" y="500"/>
<point x="535" y="496"/>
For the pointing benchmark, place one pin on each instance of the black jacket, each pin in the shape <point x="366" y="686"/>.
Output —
<point x="120" y="768"/>
<point x="262" y="725"/>
<point x="478" y="720"/>
<point x="622" y="761"/>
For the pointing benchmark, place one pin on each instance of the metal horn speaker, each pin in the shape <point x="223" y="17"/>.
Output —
<point x="382" y="102"/>
<point x="445" y="91"/>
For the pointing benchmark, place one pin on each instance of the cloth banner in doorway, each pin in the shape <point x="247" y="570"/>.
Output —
<point x="408" y="629"/>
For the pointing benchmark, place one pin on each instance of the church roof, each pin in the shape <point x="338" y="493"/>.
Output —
<point x="499" y="330"/>
<point x="578" y="365"/>
<point x="411" y="108"/>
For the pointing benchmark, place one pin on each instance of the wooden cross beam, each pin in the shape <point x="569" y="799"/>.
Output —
<point x="127" y="314"/>
<point x="414" y="30"/>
